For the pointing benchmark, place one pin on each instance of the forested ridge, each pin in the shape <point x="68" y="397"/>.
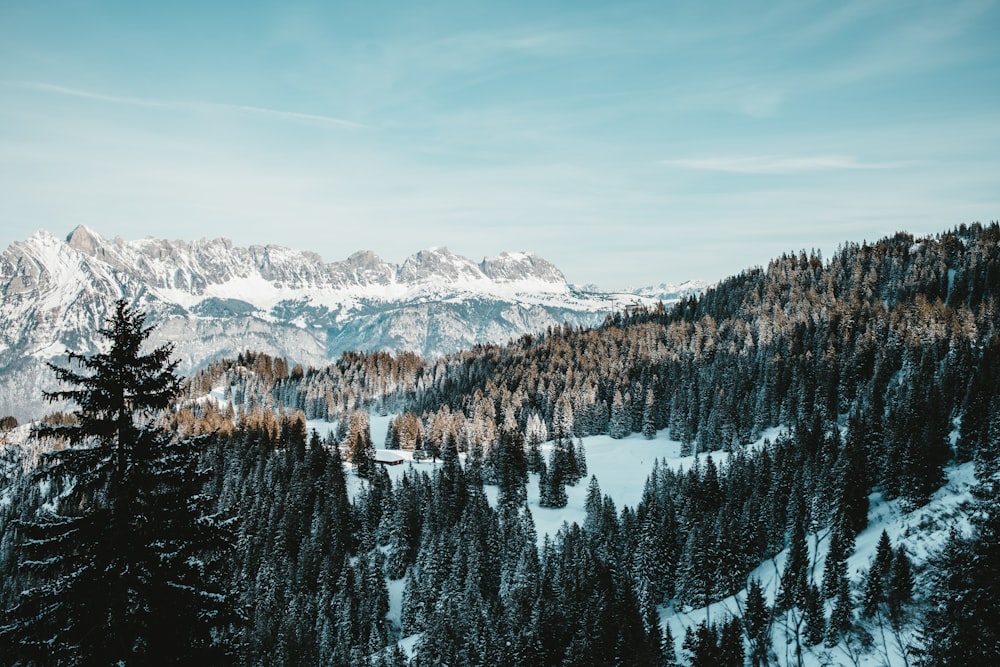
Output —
<point x="880" y="362"/>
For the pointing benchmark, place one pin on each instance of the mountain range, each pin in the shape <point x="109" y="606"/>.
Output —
<point x="214" y="299"/>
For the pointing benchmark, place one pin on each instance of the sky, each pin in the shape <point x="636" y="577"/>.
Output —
<point x="630" y="143"/>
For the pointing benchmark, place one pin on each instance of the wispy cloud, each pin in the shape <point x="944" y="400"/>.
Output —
<point x="278" y="113"/>
<point x="84" y="94"/>
<point x="775" y="164"/>
<point x="154" y="103"/>
<point x="934" y="39"/>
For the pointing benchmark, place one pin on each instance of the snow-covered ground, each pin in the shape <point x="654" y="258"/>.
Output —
<point x="922" y="532"/>
<point x="621" y="468"/>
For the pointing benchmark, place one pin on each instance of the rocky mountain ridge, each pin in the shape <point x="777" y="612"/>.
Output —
<point x="213" y="298"/>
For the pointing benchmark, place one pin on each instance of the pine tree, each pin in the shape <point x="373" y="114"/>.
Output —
<point x="649" y="416"/>
<point x="544" y="487"/>
<point x="620" y="423"/>
<point x="853" y="476"/>
<point x="361" y="450"/>
<point x="651" y="620"/>
<point x="391" y="437"/>
<point x="668" y="648"/>
<point x="535" y="459"/>
<point x="127" y="568"/>
<point x="756" y="624"/>
<point x="835" y="568"/>
<point x="878" y="573"/>
<point x="553" y="482"/>
<point x="593" y="505"/>
<point x="794" y="584"/>
<point x="697" y="578"/>
<point x="815" y="620"/>
<point x="900" y="584"/>
<point x="580" y="457"/>
<point x="959" y="625"/>
<point x="703" y="645"/>
<point x="841" y="616"/>
<point x="510" y="466"/>
<point x="535" y="434"/>
<point x="731" y="651"/>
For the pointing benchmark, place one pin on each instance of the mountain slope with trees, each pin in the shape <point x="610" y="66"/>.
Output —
<point x="880" y="364"/>
<point x="213" y="299"/>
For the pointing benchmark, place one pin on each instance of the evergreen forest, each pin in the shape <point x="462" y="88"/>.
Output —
<point x="169" y="520"/>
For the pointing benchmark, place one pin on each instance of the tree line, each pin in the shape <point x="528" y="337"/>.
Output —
<point x="881" y="363"/>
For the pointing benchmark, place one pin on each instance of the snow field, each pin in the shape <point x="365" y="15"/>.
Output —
<point x="622" y="467"/>
<point x="923" y="533"/>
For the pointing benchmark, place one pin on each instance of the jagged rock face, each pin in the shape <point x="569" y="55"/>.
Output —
<point x="212" y="299"/>
<point x="514" y="267"/>
<point x="437" y="263"/>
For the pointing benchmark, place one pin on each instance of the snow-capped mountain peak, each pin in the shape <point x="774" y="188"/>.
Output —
<point x="213" y="298"/>
<point x="522" y="266"/>
<point x="438" y="265"/>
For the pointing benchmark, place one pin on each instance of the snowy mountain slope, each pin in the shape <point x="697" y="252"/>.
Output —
<point x="921" y="532"/>
<point x="621" y="465"/>
<point x="668" y="293"/>
<point x="212" y="298"/>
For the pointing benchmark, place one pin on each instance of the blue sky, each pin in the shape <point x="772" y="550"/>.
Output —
<point x="631" y="143"/>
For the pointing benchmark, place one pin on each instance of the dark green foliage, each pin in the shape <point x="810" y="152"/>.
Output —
<point x="980" y="403"/>
<point x="129" y="566"/>
<point x="552" y="481"/>
<point x="700" y="645"/>
<point x="835" y="568"/>
<point x="757" y="624"/>
<point x="311" y="594"/>
<point x="877" y="581"/>
<point x="593" y="505"/>
<point x="731" y="649"/>
<point x="853" y="478"/>
<point x="916" y="442"/>
<point x="959" y="626"/>
<point x="361" y="449"/>
<point x="815" y="618"/>
<point x="649" y="416"/>
<point x="715" y="645"/>
<point x="509" y="466"/>
<point x="696" y="580"/>
<point x="899" y="336"/>
<point x="535" y="459"/>
<point x="669" y="650"/>
<point x="794" y="586"/>
<point x="579" y="462"/>
<point x="620" y="423"/>
<point x="841" y="618"/>
<point x="900" y="584"/>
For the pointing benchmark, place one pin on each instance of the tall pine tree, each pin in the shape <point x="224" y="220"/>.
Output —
<point x="126" y="567"/>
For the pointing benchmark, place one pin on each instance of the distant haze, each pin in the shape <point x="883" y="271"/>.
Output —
<point x="629" y="143"/>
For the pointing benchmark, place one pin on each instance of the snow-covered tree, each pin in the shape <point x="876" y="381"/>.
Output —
<point x="361" y="450"/>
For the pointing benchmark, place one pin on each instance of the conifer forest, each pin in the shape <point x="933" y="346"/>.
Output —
<point x="155" y="519"/>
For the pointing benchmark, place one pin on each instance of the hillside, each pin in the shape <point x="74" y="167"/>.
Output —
<point x="772" y="429"/>
<point x="213" y="299"/>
